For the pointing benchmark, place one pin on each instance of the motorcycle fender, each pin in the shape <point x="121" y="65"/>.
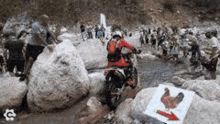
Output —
<point x="121" y="71"/>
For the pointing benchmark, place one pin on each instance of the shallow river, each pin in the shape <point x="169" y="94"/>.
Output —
<point x="153" y="73"/>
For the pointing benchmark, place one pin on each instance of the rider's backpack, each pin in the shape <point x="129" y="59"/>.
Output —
<point x="113" y="46"/>
<point x="113" y="51"/>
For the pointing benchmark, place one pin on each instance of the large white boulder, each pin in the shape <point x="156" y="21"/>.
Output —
<point x="93" y="105"/>
<point x="97" y="82"/>
<point x="16" y="23"/>
<point x="139" y="105"/>
<point x="93" y="53"/>
<point x="122" y="113"/>
<point x="74" y="38"/>
<point x="201" y="111"/>
<point x="11" y="92"/>
<point x="207" y="89"/>
<point x="57" y="79"/>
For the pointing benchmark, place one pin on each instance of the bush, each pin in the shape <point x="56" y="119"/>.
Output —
<point x="169" y="5"/>
<point x="116" y="26"/>
<point x="9" y="8"/>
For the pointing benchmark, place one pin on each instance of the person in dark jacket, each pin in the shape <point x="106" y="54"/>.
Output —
<point x="16" y="57"/>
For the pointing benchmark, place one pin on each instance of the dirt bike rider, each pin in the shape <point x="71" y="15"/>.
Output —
<point x="115" y="58"/>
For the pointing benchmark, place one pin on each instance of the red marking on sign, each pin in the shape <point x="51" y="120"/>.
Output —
<point x="172" y="117"/>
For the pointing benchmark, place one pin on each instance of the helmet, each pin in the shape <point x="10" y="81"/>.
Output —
<point x="117" y="34"/>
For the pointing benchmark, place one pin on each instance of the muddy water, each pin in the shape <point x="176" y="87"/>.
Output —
<point x="152" y="73"/>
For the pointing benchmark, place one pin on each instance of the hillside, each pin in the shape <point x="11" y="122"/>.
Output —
<point x="123" y="12"/>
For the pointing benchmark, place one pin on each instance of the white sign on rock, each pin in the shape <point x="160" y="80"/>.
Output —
<point x="170" y="104"/>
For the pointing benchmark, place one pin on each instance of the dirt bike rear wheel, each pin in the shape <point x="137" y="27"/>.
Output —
<point x="112" y="101"/>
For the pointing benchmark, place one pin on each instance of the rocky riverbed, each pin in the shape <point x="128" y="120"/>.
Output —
<point x="65" y="83"/>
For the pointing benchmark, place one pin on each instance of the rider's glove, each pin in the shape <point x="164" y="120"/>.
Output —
<point x="129" y="81"/>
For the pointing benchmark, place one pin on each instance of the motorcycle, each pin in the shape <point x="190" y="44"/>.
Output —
<point x="117" y="81"/>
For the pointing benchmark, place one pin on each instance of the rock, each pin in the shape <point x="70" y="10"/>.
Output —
<point x="207" y="89"/>
<point x="95" y="54"/>
<point x="129" y="93"/>
<point x="12" y="92"/>
<point x="97" y="82"/>
<point x="203" y="78"/>
<point x="69" y="36"/>
<point x="123" y="112"/>
<point x="149" y="56"/>
<point x="177" y="81"/>
<point x="57" y="79"/>
<point x="95" y="116"/>
<point x="144" y="119"/>
<point x="110" y="118"/>
<point x="201" y="111"/>
<point x="16" y="24"/>
<point x="142" y="99"/>
<point x="181" y="72"/>
<point x="63" y="29"/>
<point x="139" y="105"/>
<point x="136" y="122"/>
<point x="151" y="10"/>
<point x="169" y="84"/>
<point x="93" y="105"/>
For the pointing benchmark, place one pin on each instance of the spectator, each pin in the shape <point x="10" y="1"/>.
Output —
<point x="211" y="51"/>
<point x="16" y="56"/>
<point x="82" y="27"/>
<point x="37" y="43"/>
<point x="103" y="30"/>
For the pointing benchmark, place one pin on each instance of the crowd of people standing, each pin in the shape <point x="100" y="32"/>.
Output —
<point x="87" y="31"/>
<point x="173" y="42"/>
